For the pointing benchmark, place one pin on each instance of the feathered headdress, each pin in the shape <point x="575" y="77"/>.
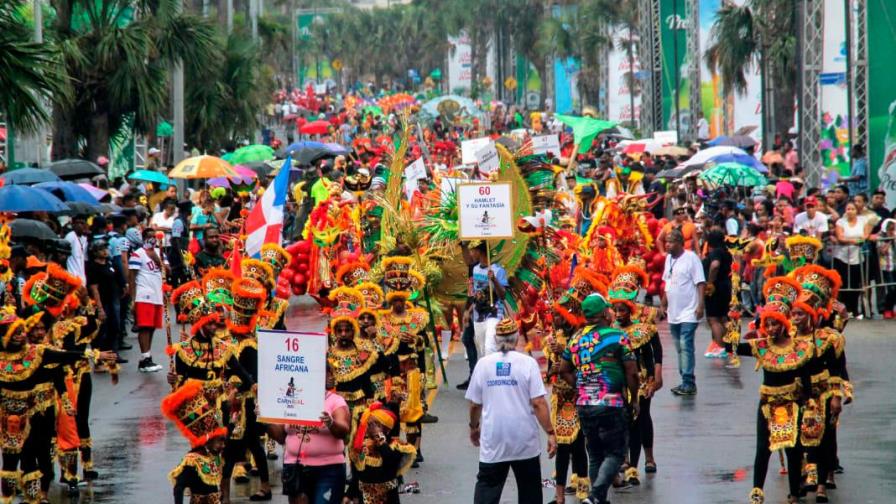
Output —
<point x="52" y="290"/>
<point x="193" y="415"/>
<point x="780" y="294"/>
<point x="248" y="300"/>
<point x="820" y="287"/>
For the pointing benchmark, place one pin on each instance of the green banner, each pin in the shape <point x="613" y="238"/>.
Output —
<point x="673" y="40"/>
<point x="882" y="97"/>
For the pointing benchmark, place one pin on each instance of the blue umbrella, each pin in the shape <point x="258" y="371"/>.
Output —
<point x="28" y="176"/>
<point x="304" y="144"/>
<point x="744" y="159"/>
<point x="68" y="191"/>
<point x="149" y="176"/>
<point x="337" y="149"/>
<point x="19" y="198"/>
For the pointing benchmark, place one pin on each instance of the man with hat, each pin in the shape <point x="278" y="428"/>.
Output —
<point x="507" y="404"/>
<point x="811" y="222"/>
<point x="598" y="362"/>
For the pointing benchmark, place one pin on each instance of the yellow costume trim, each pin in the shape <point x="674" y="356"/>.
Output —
<point x="773" y="358"/>
<point x="348" y="365"/>
<point x="207" y="467"/>
<point x="20" y="365"/>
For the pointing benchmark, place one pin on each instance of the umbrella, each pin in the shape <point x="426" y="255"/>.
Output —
<point x="28" y="176"/>
<point x="70" y="169"/>
<point x="68" y="191"/>
<point x="735" y="174"/>
<point x="310" y="155"/>
<point x="678" y="172"/>
<point x="337" y="149"/>
<point x="109" y="208"/>
<point x="30" y="228"/>
<point x="620" y="132"/>
<point x="742" y="141"/>
<point x="706" y="155"/>
<point x="18" y="198"/>
<point x="82" y="208"/>
<point x="450" y="106"/>
<point x="251" y="153"/>
<point x="584" y="129"/>
<point x="639" y="146"/>
<point x="94" y="191"/>
<point x="202" y="167"/>
<point x="315" y="128"/>
<point x="297" y="146"/>
<point x="246" y="176"/>
<point x="149" y="176"/>
<point x="670" y="150"/>
<point x="261" y="168"/>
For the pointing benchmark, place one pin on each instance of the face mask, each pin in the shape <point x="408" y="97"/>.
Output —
<point x="149" y="243"/>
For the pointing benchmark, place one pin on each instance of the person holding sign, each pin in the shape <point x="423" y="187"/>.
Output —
<point x="488" y="284"/>
<point x="314" y="457"/>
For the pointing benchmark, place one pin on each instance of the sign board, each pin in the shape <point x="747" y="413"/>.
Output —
<point x="412" y="173"/>
<point x="469" y="148"/>
<point x="485" y="210"/>
<point x="291" y="376"/>
<point x="488" y="159"/>
<point x="542" y="144"/>
<point x="666" y="137"/>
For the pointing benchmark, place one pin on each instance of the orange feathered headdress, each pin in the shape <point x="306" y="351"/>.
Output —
<point x="191" y="412"/>
<point x="248" y="300"/>
<point x="52" y="290"/>
<point x="820" y="287"/>
<point x="352" y="273"/>
<point x="780" y="294"/>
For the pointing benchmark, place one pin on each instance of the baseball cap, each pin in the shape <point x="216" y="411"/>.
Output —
<point x="811" y="201"/>
<point x="594" y="305"/>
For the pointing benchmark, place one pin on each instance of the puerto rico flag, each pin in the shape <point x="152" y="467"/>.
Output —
<point x="265" y="221"/>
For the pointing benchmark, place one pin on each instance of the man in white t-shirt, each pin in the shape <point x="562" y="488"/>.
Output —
<point x="145" y="267"/>
<point x="77" y="237"/>
<point x="682" y="301"/>
<point x="507" y="404"/>
<point x="163" y="220"/>
<point x="813" y="222"/>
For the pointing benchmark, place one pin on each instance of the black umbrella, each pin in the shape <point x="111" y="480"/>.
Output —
<point x="82" y="208"/>
<point x="29" y="176"/>
<point x="261" y="168"/>
<point x="71" y="169"/>
<point x="309" y="155"/>
<point x="678" y="172"/>
<point x="30" y="228"/>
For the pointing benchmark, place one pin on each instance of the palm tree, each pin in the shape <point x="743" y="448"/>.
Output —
<point x="31" y="74"/>
<point x="118" y="55"/>
<point x="761" y="33"/>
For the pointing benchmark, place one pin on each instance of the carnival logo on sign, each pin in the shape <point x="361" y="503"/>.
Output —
<point x="288" y="395"/>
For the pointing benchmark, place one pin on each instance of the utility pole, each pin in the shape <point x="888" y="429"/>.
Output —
<point x="177" y="106"/>
<point x="677" y="70"/>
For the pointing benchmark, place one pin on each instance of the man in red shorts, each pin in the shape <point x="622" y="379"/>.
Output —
<point x="145" y="266"/>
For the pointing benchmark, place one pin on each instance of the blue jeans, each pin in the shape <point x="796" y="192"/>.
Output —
<point x="606" y="440"/>
<point x="321" y="484"/>
<point x="683" y="336"/>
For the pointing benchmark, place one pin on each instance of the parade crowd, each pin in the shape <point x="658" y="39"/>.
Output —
<point x="560" y="327"/>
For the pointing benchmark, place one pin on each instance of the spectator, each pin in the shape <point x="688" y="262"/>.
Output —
<point x="210" y="256"/>
<point x="145" y="286"/>
<point x="851" y="233"/>
<point x="204" y="220"/>
<point x="886" y="246"/>
<point x="103" y="288"/>
<point x="784" y="209"/>
<point x="811" y="222"/>
<point x="681" y="222"/>
<point x="878" y="205"/>
<point x="858" y="175"/>
<point x="507" y="404"/>
<point x="180" y="241"/>
<point x="598" y="362"/>
<point x="682" y="301"/>
<point x="163" y="220"/>
<point x="77" y="237"/>
<point x="841" y="196"/>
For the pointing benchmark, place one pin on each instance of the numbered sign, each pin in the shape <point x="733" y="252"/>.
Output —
<point x="291" y="376"/>
<point x="485" y="210"/>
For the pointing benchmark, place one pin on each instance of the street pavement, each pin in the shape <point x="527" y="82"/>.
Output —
<point x="704" y="445"/>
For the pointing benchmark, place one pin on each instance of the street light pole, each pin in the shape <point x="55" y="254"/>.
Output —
<point x="677" y="71"/>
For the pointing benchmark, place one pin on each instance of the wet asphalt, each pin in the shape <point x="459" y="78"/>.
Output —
<point x="704" y="445"/>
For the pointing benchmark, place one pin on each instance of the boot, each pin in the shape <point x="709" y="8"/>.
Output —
<point x="757" y="496"/>
<point x="9" y="481"/>
<point x="31" y="492"/>
<point x="87" y="460"/>
<point x="583" y="487"/>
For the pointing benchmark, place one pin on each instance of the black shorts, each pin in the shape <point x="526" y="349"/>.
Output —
<point x="719" y="303"/>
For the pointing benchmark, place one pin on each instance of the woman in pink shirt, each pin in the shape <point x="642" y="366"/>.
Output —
<point x="314" y="457"/>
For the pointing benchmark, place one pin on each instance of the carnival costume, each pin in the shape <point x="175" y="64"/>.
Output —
<point x="785" y="386"/>
<point x="378" y="456"/>
<point x="368" y="341"/>
<point x="24" y="369"/>
<point x="56" y="292"/>
<point x="828" y="371"/>
<point x="199" y="421"/>
<point x="565" y="421"/>
<point x="351" y="366"/>
<point x="401" y="335"/>
<point x="644" y="342"/>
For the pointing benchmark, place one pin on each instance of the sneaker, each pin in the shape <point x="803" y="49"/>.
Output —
<point x="463" y="386"/>
<point x="120" y="360"/>
<point x="427" y="418"/>
<point x="148" y="366"/>
<point x="683" y="390"/>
